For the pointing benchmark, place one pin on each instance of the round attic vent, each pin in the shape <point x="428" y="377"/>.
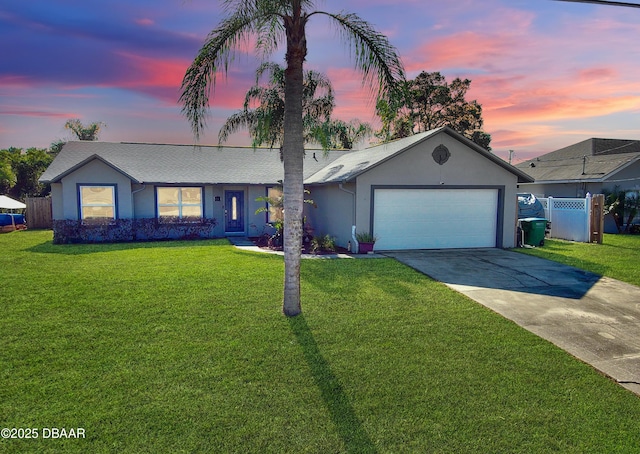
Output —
<point x="441" y="154"/>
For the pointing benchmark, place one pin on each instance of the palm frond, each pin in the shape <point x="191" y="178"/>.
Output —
<point x="320" y="108"/>
<point x="254" y="94"/>
<point x="271" y="68"/>
<point x="243" y="119"/>
<point x="199" y="81"/>
<point x="247" y="18"/>
<point x="313" y="81"/>
<point x="374" y="55"/>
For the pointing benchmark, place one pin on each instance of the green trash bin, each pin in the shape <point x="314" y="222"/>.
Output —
<point x="534" y="230"/>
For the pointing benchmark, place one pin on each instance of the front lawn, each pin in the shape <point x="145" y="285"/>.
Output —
<point x="181" y="347"/>
<point x="616" y="257"/>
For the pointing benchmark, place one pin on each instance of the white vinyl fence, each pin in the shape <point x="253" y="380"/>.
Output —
<point x="570" y="218"/>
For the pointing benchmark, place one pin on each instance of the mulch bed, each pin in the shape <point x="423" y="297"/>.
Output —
<point x="262" y="242"/>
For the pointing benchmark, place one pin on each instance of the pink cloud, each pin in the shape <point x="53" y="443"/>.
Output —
<point x="18" y="112"/>
<point x="145" y="22"/>
<point x="595" y="75"/>
<point x="532" y="99"/>
<point x="523" y="76"/>
<point x="155" y="72"/>
<point x="466" y="49"/>
<point x="162" y="78"/>
<point x="353" y="100"/>
<point x="520" y="138"/>
<point x="13" y="82"/>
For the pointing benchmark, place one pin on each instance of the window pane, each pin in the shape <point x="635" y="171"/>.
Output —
<point x="97" y="212"/>
<point x="97" y="195"/>
<point x="191" y="211"/>
<point x="97" y="202"/>
<point x="275" y="212"/>
<point x="191" y="195"/>
<point x="179" y="202"/>
<point x="169" y="211"/>
<point x="168" y="196"/>
<point x="234" y="208"/>
<point x="274" y="193"/>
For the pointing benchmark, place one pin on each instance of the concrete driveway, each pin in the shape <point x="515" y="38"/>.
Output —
<point x="596" y="319"/>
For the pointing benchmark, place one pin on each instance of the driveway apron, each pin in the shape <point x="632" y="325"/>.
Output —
<point x="594" y="318"/>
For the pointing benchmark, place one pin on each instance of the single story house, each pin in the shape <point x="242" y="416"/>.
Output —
<point x="436" y="189"/>
<point x="591" y="166"/>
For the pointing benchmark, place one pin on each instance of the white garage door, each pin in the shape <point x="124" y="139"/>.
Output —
<point x="435" y="218"/>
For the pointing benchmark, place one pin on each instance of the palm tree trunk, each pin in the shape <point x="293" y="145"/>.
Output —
<point x="293" y="155"/>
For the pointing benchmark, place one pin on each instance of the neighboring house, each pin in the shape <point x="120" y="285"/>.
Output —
<point x="433" y="190"/>
<point x="591" y="166"/>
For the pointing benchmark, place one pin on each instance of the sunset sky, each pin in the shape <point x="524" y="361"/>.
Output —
<point x="548" y="74"/>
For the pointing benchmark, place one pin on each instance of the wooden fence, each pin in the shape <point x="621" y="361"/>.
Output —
<point x="596" y="228"/>
<point x="39" y="213"/>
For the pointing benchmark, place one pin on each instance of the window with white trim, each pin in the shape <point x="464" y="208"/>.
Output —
<point x="179" y="202"/>
<point x="97" y="202"/>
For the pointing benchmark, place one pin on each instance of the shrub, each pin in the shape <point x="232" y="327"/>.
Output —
<point x="124" y="230"/>
<point x="365" y="237"/>
<point x="324" y="243"/>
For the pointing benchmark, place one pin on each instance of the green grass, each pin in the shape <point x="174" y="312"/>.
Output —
<point x="181" y="347"/>
<point x="616" y="257"/>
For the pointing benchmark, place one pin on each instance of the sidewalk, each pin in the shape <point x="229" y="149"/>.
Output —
<point x="247" y="245"/>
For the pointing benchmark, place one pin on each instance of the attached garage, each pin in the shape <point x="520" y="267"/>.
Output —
<point x="433" y="190"/>
<point x="435" y="218"/>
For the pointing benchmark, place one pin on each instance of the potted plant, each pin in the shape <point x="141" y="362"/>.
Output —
<point x="365" y="242"/>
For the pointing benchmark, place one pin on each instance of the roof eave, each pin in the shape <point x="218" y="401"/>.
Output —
<point x="84" y="162"/>
<point x="353" y="176"/>
<point x="523" y="177"/>
<point x="565" y="181"/>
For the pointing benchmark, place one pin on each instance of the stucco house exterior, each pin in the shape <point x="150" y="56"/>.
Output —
<point x="591" y="166"/>
<point x="432" y="190"/>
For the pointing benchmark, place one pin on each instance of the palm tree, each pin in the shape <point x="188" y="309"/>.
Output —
<point x="265" y="121"/>
<point x="272" y="21"/>
<point x="82" y="132"/>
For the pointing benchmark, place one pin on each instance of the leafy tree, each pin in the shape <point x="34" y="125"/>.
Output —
<point x="614" y="206"/>
<point x="621" y="204"/>
<point x="341" y="134"/>
<point x="632" y="206"/>
<point x="271" y="22"/>
<point x="56" y="147"/>
<point x="7" y="175"/>
<point x="395" y="123"/>
<point x="428" y="102"/>
<point x="82" y="132"/>
<point x="21" y="170"/>
<point x="265" y="121"/>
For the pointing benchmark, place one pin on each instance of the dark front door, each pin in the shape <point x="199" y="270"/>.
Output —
<point x="234" y="211"/>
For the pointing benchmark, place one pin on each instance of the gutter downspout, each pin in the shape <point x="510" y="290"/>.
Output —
<point x="354" y="241"/>
<point x="133" y="205"/>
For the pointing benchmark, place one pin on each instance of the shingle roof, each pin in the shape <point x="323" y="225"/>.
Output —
<point x="351" y="165"/>
<point x="160" y="163"/>
<point x="189" y="164"/>
<point x="590" y="160"/>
